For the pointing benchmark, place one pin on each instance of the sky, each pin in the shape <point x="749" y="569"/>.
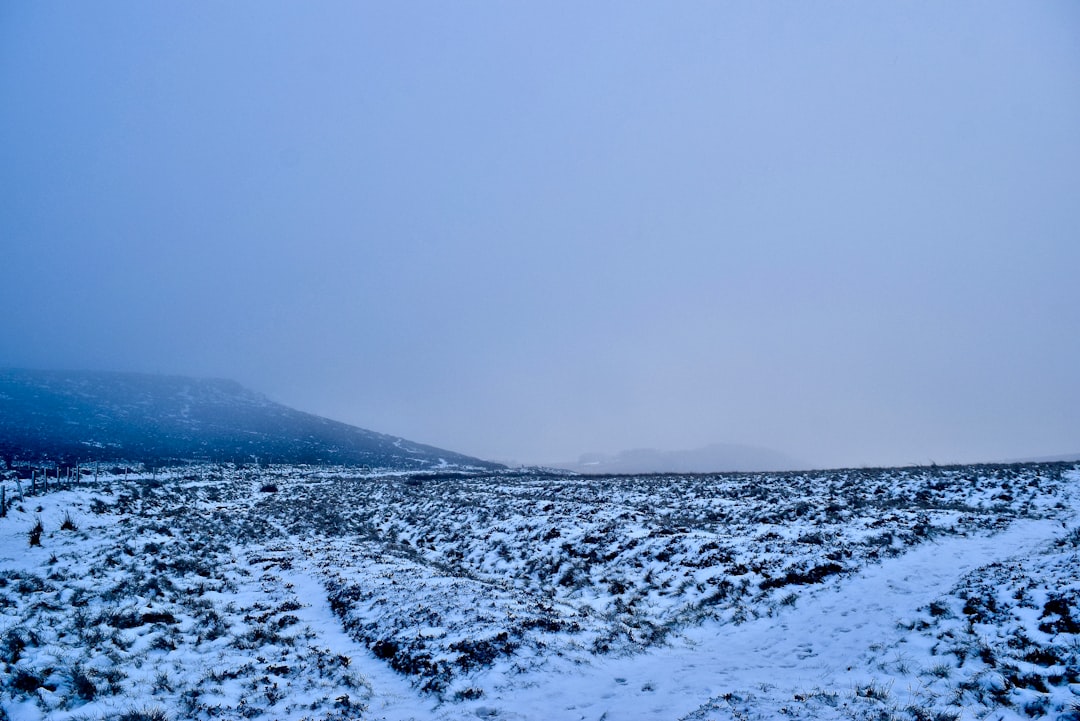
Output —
<point x="849" y="232"/>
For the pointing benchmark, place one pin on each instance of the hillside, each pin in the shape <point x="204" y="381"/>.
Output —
<point x="71" y="417"/>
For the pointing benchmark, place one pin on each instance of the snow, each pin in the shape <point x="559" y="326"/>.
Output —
<point x="828" y="640"/>
<point x="514" y="596"/>
<point x="387" y="690"/>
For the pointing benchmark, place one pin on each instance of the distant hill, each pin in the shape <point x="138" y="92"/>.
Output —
<point x="715" y="458"/>
<point x="1063" y="458"/>
<point x="72" y="416"/>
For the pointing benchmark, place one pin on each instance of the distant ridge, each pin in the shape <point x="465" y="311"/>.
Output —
<point x="1064" y="458"/>
<point x="72" y="416"/>
<point x="715" y="458"/>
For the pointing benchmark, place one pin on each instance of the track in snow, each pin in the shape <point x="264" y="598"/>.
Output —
<point x="834" y="638"/>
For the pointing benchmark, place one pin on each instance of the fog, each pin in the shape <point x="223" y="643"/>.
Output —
<point x="848" y="232"/>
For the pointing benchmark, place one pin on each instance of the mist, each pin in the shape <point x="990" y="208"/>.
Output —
<point x="850" y="233"/>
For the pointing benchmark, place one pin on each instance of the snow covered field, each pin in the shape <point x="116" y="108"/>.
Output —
<point x="307" y="593"/>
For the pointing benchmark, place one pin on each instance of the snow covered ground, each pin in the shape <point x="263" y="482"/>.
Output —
<point x="303" y="593"/>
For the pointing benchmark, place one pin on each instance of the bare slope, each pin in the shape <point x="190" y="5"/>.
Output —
<point x="72" y="416"/>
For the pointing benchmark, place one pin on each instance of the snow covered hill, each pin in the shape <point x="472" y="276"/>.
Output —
<point x="287" y="592"/>
<point x="75" y="417"/>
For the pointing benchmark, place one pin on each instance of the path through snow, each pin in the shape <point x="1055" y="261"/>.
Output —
<point x="389" y="695"/>
<point x="835" y="637"/>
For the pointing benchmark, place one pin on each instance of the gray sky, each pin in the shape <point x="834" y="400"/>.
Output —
<point x="847" y="231"/>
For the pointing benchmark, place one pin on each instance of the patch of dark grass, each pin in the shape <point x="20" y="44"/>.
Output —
<point x="872" y="691"/>
<point x="12" y="646"/>
<point x="1043" y="657"/>
<point x="26" y="681"/>
<point x="1058" y="609"/>
<point x="482" y="652"/>
<point x="1032" y="681"/>
<point x="144" y="714"/>
<point x="469" y="694"/>
<point x="82" y="685"/>
<point x="939" y="610"/>
<point x="35" y="533"/>
<point x="69" y="523"/>
<point x="817" y="574"/>
<point x="159" y="617"/>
